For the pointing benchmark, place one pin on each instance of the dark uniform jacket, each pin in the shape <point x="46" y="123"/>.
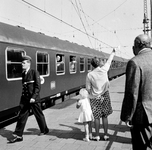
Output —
<point x="31" y="86"/>
<point x="137" y="103"/>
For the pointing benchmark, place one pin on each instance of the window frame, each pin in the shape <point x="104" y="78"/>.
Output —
<point x="6" y="62"/>
<point x="75" y="64"/>
<point x="82" y="64"/>
<point x="48" y="67"/>
<point x="89" y="63"/>
<point x="62" y="62"/>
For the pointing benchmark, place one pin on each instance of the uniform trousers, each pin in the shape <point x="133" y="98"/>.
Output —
<point x="23" y="116"/>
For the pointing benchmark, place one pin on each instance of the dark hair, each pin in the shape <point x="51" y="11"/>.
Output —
<point x="95" y="62"/>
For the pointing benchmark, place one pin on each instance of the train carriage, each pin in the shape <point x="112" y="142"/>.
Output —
<point x="63" y="66"/>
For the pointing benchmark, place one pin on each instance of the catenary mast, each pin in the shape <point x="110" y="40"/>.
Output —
<point x="147" y="21"/>
<point x="151" y="17"/>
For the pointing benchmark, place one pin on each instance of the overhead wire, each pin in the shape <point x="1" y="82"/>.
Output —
<point x="66" y="23"/>
<point x="111" y="11"/>
<point x="105" y="27"/>
<point x="90" y="18"/>
<point x="96" y="22"/>
<point x="80" y="30"/>
<point x="109" y="46"/>
<point x="79" y="14"/>
<point x="84" y="15"/>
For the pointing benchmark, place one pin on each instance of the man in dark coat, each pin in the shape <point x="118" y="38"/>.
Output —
<point x="29" y="100"/>
<point x="137" y="104"/>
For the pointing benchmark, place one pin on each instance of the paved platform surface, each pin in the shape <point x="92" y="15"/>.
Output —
<point x="66" y="133"/>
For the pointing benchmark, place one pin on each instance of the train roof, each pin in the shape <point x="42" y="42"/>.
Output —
<point x="19" y="35"/>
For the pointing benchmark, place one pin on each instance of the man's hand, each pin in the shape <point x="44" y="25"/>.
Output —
<point x="128" y="124"/>
<point x="32" y="100"/>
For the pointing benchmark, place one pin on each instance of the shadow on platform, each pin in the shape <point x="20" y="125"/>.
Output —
<point x="75" y="133"/>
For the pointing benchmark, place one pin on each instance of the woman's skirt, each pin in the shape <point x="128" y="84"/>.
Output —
<point x="101" y="106"/>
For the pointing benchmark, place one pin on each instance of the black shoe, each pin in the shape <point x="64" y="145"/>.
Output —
<point x="16" y="139"/>
<point x="43" y="133"/>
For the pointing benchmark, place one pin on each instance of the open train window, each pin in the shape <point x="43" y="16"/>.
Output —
<point x="60" y="64"/>
<point x="82" y="64"/>
<point x="43" y="63"/>
<point x="72" y="64"/>
<point x="89" y="64"/>
<point x="14" y="63"/>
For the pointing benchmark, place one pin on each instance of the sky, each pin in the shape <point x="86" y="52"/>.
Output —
<point x="98" y="24"/>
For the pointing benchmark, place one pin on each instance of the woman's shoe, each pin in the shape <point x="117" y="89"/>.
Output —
<point x="86" y="139"/>
<point x="90" y="136"/>
<point x="96" y="138"/>
<point x="106" y="137"/>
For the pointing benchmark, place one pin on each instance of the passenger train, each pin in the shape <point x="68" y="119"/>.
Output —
<point x="62" y="65"/>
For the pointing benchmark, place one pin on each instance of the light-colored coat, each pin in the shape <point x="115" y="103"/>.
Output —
<point x="137" y="103"/>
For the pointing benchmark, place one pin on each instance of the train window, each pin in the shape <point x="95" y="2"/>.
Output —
<point x="82" y="64"/>
<point x="72" y="64"/>
<point x="43" y="63"/>
<point x="89" y="64"/>
<point x="60" y="64"/>
<point x="14" y="63"/>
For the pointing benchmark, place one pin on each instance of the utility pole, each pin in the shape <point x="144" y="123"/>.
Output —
<point x="151" y="17"/>
<point x="146" y="20"/>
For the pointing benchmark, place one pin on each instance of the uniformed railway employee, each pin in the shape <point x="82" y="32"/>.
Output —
<point x="29" y="100"/>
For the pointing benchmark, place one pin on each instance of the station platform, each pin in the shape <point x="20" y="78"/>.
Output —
<point x="66" y="133"/>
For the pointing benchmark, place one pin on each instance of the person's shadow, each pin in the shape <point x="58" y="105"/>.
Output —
<point x="117" y="130"/>
<point x="75" y="133"/>
<point x="6" y="134"/>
